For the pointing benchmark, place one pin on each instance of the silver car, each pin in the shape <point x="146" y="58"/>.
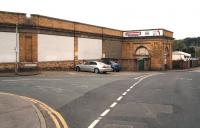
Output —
<point x="94" y="66"/>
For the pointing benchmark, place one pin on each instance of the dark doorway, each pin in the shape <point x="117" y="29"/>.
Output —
<point x="141" y="64"/>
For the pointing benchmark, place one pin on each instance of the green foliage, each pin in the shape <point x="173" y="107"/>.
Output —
<point x="189" y="45"/>
<point x="178" y="45"/>
<point x="198" y="53"/>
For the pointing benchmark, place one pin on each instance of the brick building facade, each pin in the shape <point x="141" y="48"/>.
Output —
<point x="52" y="43"/>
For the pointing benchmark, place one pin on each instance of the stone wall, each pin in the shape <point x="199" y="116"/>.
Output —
<point x="12" y="18"/>
<point x="112" y="32"/>
<point x="156" y="48"/>
<point x="5" y="67"/>
<point x="51" y="22"/>
<point x="56" y="65"/>
<point x="112" y="48"/>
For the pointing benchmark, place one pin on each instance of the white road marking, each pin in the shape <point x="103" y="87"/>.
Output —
<point x="81" y="86"/>
<point x="124" y="93"/>
<point x="48" y="79"/>
<point x="95" y="122"/>
<point x="113" y="104"/>
<point x="140" y="77"/>
<point x="119" y="98"/>
<point x="105" y="112"/>
<point x="183" y="79"/>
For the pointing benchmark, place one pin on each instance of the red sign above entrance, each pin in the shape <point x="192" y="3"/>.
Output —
<point x="143" y="33"/>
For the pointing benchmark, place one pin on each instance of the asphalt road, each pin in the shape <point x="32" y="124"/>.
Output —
<point x="167" y="100"/>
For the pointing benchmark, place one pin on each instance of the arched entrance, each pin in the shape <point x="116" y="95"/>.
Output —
<point x="142" y="55"/>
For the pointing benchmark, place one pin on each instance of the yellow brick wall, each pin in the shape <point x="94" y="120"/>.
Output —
<point x="168" y="33"/>
<point x="112" y="32"/>
<point x="88" y="28"/>
<point x="12" y="18"/>
<point x="51" y="22"/>
<point x="155" y="47"/>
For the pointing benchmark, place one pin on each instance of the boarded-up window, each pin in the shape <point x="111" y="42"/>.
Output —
<point x="7" y="47"/>
<point x="55" y="48"/>
<point x="89" y="48"/>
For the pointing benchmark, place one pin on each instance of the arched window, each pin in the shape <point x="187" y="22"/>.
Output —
<point x="142" y="51"/>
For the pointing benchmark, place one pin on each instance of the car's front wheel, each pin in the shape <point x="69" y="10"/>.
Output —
<point x="96" y="70"/>
<point x="78" y="69"/>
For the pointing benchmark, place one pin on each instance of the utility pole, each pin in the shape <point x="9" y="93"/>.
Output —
<point x="195" y="48"/>
<point x="16" y="50"/>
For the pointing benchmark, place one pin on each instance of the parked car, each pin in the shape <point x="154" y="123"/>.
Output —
<point x="115" y="66"/>
<point x="94" y="66"/>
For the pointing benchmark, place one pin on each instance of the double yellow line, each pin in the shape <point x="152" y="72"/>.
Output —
<point x="54" y="115"/>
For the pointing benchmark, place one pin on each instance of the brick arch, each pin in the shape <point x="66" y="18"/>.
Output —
<point x="142" y="51"/>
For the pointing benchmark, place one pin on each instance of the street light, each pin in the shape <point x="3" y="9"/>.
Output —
<point x="16" y="50"/>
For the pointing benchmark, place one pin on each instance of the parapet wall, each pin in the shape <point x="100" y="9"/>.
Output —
<point x="54" y="23"/>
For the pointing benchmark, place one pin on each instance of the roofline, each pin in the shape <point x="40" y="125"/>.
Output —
<point x="102" y="27"/>
<point x="148" y="30"/>
<point x="18" y="13"/>
<point x="181" y="53"/>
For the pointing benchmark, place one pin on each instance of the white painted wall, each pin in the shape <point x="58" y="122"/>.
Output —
<point x="55" y="48"/>
<point x="7" y="47"/>
<point x="178" y="55"/>
<point x="89" y="48"/>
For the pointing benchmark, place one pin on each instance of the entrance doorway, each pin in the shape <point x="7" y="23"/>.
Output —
<point x="141" y="64"/>
<point x="142" y="57"/>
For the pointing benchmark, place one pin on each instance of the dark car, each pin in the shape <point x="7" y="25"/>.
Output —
<point x="115" y="66"/>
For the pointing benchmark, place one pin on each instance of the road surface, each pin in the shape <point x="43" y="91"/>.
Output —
<point x="127" y="100"/>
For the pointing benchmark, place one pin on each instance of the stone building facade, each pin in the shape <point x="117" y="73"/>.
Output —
<point x="51" y="43"/>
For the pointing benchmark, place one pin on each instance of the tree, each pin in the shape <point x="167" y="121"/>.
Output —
<point x="179" y="45"/>
<point x="189" y="45"/>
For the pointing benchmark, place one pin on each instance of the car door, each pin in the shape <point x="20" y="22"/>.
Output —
<point x="92" y="66"/>
<point x="85" y="67"/>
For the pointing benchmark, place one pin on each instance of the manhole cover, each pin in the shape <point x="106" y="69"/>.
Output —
<point x="117" y="126"/>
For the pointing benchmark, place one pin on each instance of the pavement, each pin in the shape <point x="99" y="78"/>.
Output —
<point x="16" y="112"/>
<point x="24" y="112"/>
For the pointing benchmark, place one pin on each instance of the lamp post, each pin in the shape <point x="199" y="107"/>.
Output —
<point x="16" y="50"/>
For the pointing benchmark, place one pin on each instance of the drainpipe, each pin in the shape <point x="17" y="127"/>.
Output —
<point x="16" y="50"/>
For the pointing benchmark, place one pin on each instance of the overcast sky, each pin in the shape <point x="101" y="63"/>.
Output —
<point x="180" y="16"/>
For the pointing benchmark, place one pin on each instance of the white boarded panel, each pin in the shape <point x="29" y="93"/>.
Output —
<point x="89" y="48"/>
<point x="55" y="48"/>
<point x="7" y="47"/>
